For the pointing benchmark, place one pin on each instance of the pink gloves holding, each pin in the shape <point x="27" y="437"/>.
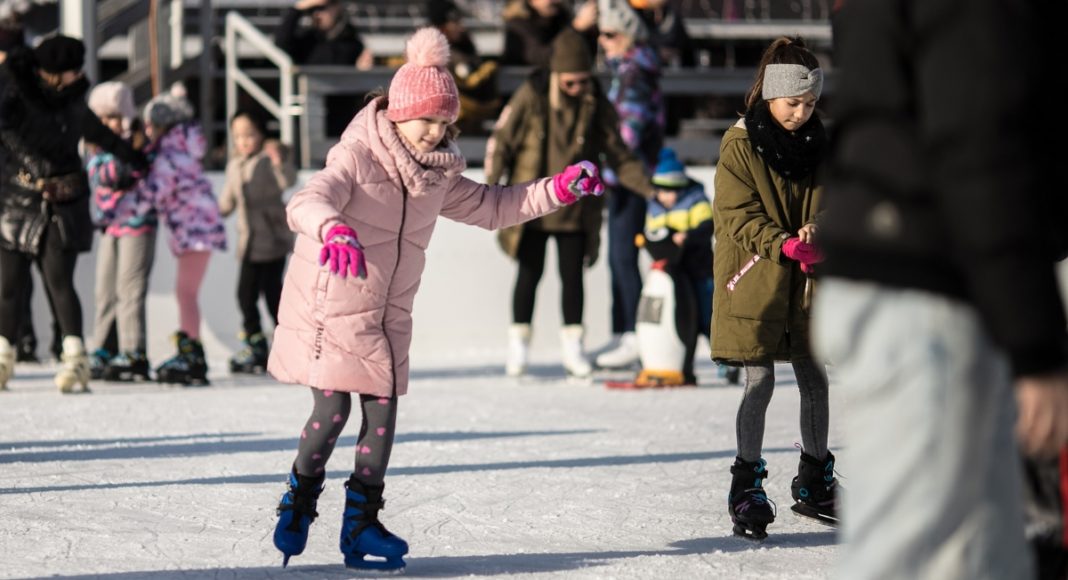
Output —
<point x="343" y="252"/>
<point x="577" y="181"/>
<point x="804" y="252"/>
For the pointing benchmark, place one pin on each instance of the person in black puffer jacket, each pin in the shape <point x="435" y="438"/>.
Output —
<point x="44" y="193"/>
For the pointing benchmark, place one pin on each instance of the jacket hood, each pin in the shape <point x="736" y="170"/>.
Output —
<point x="183" y="138"/>
<point x="418" y="172"/>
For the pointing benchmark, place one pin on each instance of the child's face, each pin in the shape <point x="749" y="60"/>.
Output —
<point x="113" y="122"/>
<point x="247" y="138"/>
<point x="667" y="197"/>
<point x="424" y="135"/>
<point x="792" y="112"/>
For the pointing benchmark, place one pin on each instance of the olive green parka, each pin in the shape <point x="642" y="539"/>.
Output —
<point x="758" y="312"/>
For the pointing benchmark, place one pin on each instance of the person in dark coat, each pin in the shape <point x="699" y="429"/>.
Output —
<point x="44" y="192"/>
<point x="319" y="32"/>
<point x="531" y="25"/>
<point x="938" y="302"/>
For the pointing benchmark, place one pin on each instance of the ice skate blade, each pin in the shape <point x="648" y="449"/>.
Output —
<point x="361" y="562"/>
<point x="756" y="534"/>
<point x="809" y="513"/>
<point x="285" y="560"/>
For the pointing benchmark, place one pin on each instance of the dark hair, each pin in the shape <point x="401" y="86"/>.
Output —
<point x="254" y="117"/>
<point x="782" y="50"/>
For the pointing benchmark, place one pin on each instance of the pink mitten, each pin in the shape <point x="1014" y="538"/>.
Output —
<point x="343" y="252"/>
<point x="577" y="181"/>
<point x="807" y="254"/>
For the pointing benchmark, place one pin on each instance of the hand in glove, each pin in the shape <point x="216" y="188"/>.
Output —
<point x="805" y="253"/>
<point x="343" y="252"/>
<point x="577" y="181"/>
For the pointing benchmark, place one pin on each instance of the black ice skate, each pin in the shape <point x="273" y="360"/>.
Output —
<point x="98" y="363"/>
<point x="188" y="367"/>
<point x="815" y="489"/>
<point x="127" y="366"/>
<point x="749" y="507"/>
<point x="253" y="358"/>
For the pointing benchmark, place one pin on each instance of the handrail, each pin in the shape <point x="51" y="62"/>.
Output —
<point x="287" y="106"/>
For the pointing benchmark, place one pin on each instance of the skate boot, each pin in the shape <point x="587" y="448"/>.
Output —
<point x="26" y="350"/>
<point x="363" y="535"/>
<point x="127" y="366"/>
<point x="623" y="356"/>
<point x="253" y="358"/>
<point x="575" y="363"/>
<point x="296" y="512"/>
<point x="7" y="362"/>
<point x="518" y="350"/>
<point x="75" y="366"/>
<point x="749" y="507"/>
<point x="98" y="363"/>
<point x="731" y="373"/>
<point x="188" y="367"/>
<point x="815" y="489"/>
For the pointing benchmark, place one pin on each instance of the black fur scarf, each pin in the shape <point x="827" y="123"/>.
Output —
<point x="792" y="154"/>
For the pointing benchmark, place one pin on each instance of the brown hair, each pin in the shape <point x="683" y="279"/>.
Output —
<point x="782" y="50"/>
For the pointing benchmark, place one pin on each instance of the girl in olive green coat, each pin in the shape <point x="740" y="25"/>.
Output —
<point x="765" y="205"/>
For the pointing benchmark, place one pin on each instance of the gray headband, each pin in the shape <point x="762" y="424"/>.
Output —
<point x="791" y="80"/>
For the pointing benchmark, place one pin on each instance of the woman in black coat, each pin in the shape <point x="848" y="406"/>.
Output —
<point x="44" y="193"/>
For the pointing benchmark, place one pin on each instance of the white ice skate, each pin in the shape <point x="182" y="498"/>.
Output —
<point x="518" y="350"/>
<point x="75" y="366"/>
<point x="7" y="362"/>
<point x="574" y="358"/>
<point x="623" y="356"/>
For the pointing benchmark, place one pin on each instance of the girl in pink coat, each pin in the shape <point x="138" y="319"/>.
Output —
<point x="345" y="321"/>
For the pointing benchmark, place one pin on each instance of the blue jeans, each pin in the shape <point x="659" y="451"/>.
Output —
<point x="626" y="219"/>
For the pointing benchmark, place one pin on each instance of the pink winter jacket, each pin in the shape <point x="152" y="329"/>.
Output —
<point x="353" y="335"/>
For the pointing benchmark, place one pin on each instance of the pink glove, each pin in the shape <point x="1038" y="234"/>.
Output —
<point x="577" y="181"/>
<point x="343" y="252"/>
<point x="807" y="254"/>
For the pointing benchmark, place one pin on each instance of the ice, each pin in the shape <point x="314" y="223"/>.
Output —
<point x="491" y="477"/>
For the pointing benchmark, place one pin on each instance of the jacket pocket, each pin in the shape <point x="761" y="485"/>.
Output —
<point x="761" y="293"/>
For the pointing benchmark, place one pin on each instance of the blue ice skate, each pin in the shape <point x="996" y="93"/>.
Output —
<point x="363" y="535"/>
<point x="295" y="514"/>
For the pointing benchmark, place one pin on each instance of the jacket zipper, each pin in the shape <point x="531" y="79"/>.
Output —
<point x="396" y="264"/>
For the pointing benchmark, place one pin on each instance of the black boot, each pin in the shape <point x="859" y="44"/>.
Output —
<point x="127" y="366"/>
<point x="749" y="507"/>
<point x="188" y="367"/>
<point x="815" y="489"/>
<point x="253" y="358"/>
<point x="296" y="512"/>
<point x="26" y="349"/>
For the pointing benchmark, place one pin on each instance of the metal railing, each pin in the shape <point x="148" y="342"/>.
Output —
<point x="288" y="105"/>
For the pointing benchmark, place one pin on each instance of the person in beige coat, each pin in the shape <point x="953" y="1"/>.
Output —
<point x="345" y="321"/>
<point x="256" y="179"/>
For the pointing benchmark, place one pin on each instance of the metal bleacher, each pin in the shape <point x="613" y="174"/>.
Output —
<point x="226" y="47"/>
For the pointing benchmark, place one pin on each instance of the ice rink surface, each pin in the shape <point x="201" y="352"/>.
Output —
<point x="491" y="477"/>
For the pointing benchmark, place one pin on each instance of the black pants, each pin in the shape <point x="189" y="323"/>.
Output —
<point x="570" y="248"/>
<point x="259" y="279"/>
<point x="56" y="265"/>
<point x="626" y="218"/>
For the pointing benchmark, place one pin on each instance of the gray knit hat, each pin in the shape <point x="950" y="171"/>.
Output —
<point x="170" y="108"/>
<point x="618" y="16"/>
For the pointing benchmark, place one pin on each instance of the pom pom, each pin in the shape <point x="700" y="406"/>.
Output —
<point x="428" y="47"/>
<point x="178" y="90"/>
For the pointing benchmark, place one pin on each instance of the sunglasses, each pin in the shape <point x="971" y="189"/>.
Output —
<point x="575" y="83"/>
<point x="610" y="35"/>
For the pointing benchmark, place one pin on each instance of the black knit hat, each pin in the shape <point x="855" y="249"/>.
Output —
<point x="60" y="53"/>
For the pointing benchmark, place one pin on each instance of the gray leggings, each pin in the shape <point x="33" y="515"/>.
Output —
<point x="327" y="420"/>
<point x="759" y="386"/>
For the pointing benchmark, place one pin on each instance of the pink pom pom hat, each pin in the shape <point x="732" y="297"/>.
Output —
<point x="424" y="87"/>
